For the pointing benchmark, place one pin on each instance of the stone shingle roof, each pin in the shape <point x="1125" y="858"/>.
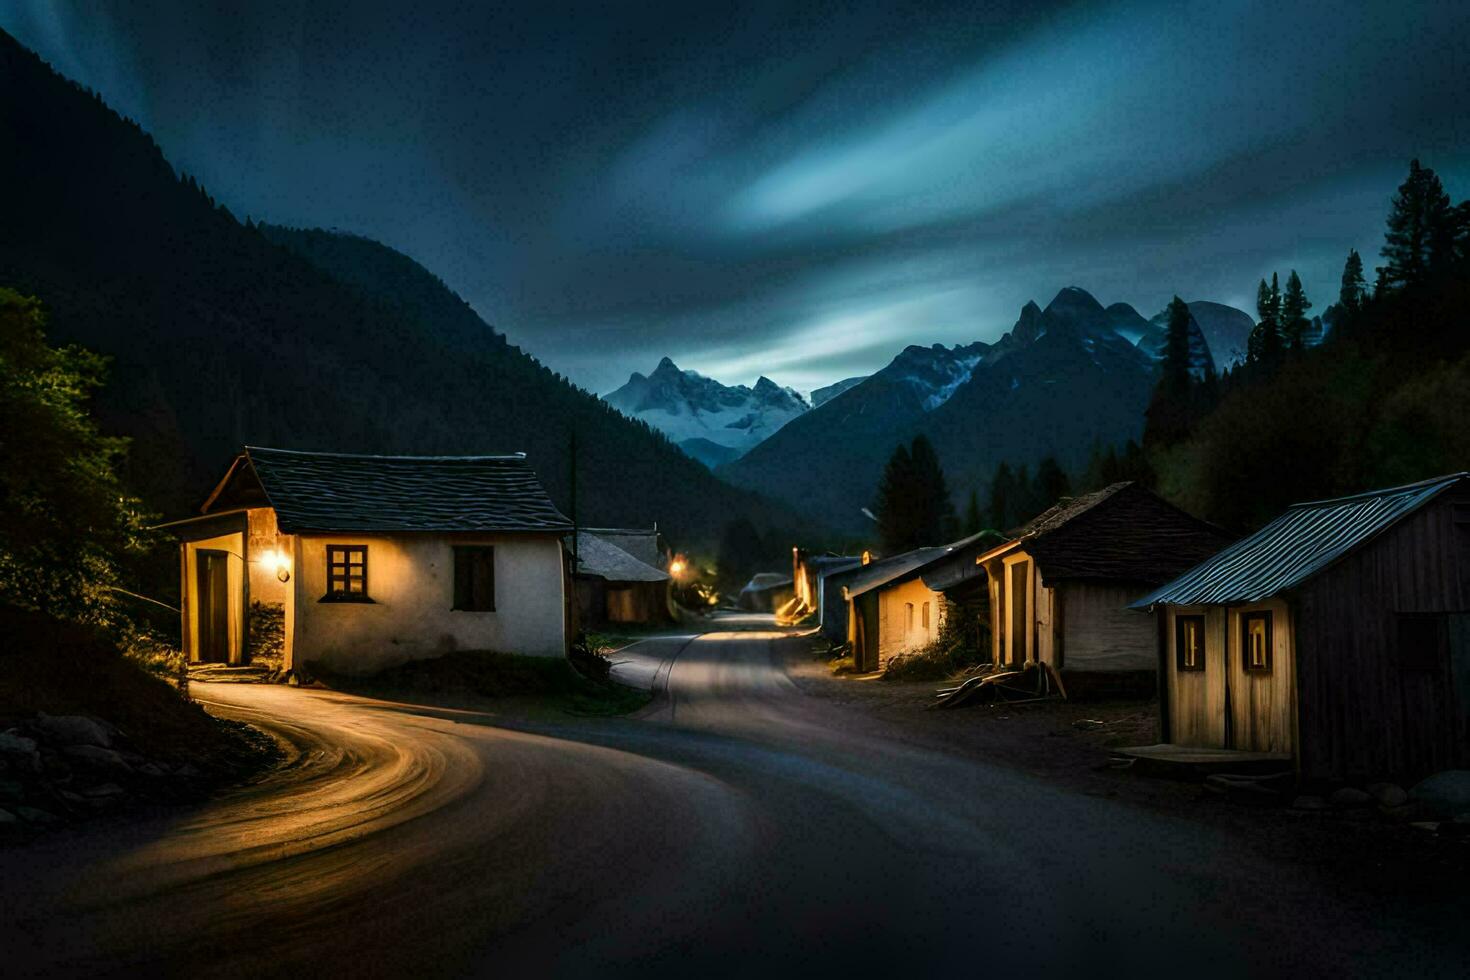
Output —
<point x="596" y="555"/>
<point x="1124" y="532"/>
<point x="320" y="492"/>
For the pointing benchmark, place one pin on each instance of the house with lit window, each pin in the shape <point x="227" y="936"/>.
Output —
<point x="899" y="605"/>
<point x="890" y="610"/>
<point x="1061" y="586"/>
<point x="1337" y="636"/>
<point x="368" y="561"/>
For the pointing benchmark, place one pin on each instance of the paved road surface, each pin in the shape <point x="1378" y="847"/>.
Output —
<point x="738" y="828"/>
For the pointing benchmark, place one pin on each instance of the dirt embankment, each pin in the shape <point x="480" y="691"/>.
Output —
<point x="84" y="731"/>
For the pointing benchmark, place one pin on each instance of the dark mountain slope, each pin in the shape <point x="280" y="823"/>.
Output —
<point x="1061" y="381"/>
<point x="221" y="336"/>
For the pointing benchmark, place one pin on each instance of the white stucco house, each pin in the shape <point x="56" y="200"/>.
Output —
<point x="369" y="561"/>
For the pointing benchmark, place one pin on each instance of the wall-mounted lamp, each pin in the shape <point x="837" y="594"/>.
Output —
<point x="278" y="561"/>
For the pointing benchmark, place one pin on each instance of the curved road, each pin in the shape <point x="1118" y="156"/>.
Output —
<point x="735" y="828"/>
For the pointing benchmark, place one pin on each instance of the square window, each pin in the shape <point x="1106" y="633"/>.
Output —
<point x="1255" y="639"/>
<point x="346" y="573"/>
<point x="1422" y="641"/>
<point x="474" y="578"/>
<point x="1189" y="642"/>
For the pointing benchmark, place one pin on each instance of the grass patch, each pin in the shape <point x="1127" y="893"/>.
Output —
<point x="932" y="663"/>
<point x="549" y="681"/>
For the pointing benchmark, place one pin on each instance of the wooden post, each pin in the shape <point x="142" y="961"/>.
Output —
<point x="1166" y="733"/>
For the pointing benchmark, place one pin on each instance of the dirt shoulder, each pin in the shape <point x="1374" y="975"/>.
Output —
<point x="1072" y="743"/>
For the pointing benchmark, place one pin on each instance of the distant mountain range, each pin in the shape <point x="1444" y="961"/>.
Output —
<point x="1065" y="379"/>
<point x="712" y="422"/>
<point x="223" y="333"/>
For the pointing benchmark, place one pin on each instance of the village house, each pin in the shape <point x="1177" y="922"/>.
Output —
<point x="368" y="561"/>
<point x="619" y="577"/>
<point x="1061" y="587"/>
<point x="899" y="605"/>
<point x="1338" y="636"/>
<point x="890" y="610"/>
<point x="810" y="577"/>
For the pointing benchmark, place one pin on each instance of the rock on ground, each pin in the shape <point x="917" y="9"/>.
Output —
<point x="1350" y="796"/>
<point x="1446" y="794"/>
<point x="1388" y="794"/>
<point x="74" y="730"/>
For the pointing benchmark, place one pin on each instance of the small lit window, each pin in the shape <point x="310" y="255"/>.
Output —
<point x="908" y="617"/>
<point x="1422" y="645"/>
<point x="1255" y="631"/>
<point x="924" y="615"/>
<point x="1189" y="642"/>
<point x="346" y="573"/>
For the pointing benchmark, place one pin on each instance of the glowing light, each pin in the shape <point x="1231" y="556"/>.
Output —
<point x="676" y="567"/>
<point x="277" y="561"/>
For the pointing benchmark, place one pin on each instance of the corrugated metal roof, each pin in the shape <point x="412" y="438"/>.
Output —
<point x="323" y="492"/>
<point x="1297" y="545"/>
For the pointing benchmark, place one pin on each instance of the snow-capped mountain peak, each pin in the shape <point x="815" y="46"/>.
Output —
<point x="712" y="422"/>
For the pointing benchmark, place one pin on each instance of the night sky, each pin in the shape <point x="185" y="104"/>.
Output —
<point x="797" y="193"/>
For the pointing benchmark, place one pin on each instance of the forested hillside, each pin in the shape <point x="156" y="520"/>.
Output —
<point x="1384" y="400"/>
<point x="222" y="333"/>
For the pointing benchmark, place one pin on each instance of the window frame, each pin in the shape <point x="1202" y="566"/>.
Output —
<point x="1246" y="618"/>
<point x="346" y="553"/>
<point x="467" y="550"/>
<point x="1180" y="621"/>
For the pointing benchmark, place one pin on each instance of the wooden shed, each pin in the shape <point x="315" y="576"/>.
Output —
<point x="1338" y="635"/>
<point x="1061" y="587"/>
<point x="619" y="577"/>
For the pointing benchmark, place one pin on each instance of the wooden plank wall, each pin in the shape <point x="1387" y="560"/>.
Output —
<point x="1361" y="714"/>
<point x="1100" y="632"/>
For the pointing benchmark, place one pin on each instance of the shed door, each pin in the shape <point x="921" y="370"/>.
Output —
<point x="214" y="606"/>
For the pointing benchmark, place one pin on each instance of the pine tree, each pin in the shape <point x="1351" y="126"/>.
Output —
<point x="896" y="504"/>
<point x="1174" y="375"/>
<point x="974" y="523"/>
<point x="1420" y="237"/>
<point x="1169" y="414"/>
<point x="1051" y="482"/>
<point x="934" y="518"/>
<point x="1264" y="343"/>
<point x="1350" y="297"/>
<point x="1294" y="307"/>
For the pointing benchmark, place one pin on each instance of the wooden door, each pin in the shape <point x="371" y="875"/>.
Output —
<point x="214" y="606"/>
